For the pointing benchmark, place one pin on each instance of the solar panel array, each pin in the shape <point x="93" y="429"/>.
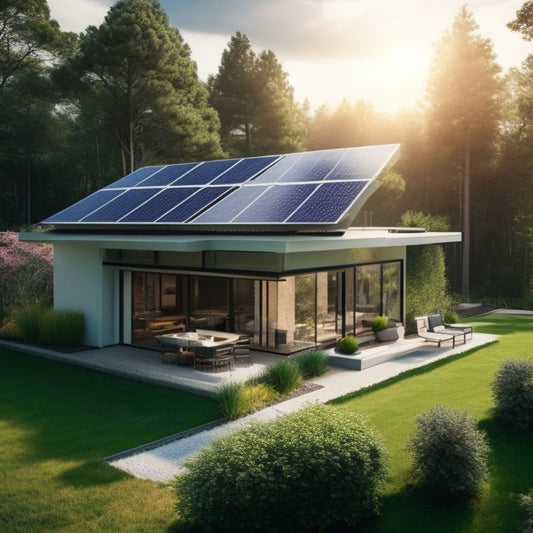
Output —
<point x="294" y="191"/>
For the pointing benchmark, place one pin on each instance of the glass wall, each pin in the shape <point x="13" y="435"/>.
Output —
<point x="306" y="309"/>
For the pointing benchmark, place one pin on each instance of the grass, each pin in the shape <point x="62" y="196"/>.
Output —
<point x="57" y="422"/>
<point x="463" y="382"/>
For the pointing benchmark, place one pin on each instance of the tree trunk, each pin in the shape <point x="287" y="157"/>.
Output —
<point x="466" y="225"/>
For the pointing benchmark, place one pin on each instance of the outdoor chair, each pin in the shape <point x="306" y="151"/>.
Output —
<point x="241" y="351"/>
<point x="436" y="325"/>
<point x="431" y="336"/>
<point x="168" y="350"/>
<point x="220" y="361"/>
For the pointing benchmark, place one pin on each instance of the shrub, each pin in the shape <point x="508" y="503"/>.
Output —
<point x="283" y="376"/>
<point x="513" y="394"/>
<point x="311" y="470"/>
<point x="238" y="399"/>
<point x="63" y="329"/>
<point x="526" y="506"/>
<point x="26" y="272"/>
<point x="380" y="323"/>
<point x="451" y="317"/>
<point x="28" y="320"/>
<point x="347" y="345"/>
<point x="449" y="453"/>
<point x="231" y="401"/>
<point x="312" y="364"/>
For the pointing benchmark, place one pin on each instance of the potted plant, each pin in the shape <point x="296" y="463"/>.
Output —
<point x="384" y="330"/>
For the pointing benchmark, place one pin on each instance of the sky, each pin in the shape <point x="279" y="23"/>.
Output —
<point x="373" y="50"/>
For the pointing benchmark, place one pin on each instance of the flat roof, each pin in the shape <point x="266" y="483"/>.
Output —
<point x="369" y="237"/>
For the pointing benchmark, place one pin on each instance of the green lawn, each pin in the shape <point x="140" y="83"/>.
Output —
<point x="58" y="421"/>
<point x="463" y="382"/>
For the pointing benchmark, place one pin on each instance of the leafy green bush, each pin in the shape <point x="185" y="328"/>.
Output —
<point x="282" y="376"/>
<point x="513" y="394"/>
<point x="312" y="470"/>
<point x="449" y="453"/>
<point x="28" y="320"/>
<point x="237" y="399"/>
<point x="312" y="364"/>
<point x="380" y="323"/>
<point x="347" y="345"/>
<point x="451" y="317"/>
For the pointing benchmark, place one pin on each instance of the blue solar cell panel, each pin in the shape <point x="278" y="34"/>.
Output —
<point x="76" y="212"/>
<point x="134" y="178"/>
<point x="274" y="173"/>
<point x="196" y="203"/>
<point x="276" y="204"/>
<point x="230" y="206"/>
<point x="120" y="206"/>
<point x="313" y="166"/>
<point x="160" y="204"/>
<point x="244" y="170"/>
<point x="167" y="175"/>
<point x="362" y="163"/>
<point x="206" y="172"/>
<point x="329" y="202"/>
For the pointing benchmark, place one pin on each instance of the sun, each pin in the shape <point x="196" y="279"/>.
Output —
<point x="399" y="74"/>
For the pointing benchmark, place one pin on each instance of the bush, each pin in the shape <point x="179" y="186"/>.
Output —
<point x="347" y="345"/>
<point x="238" y="399"/>
<point x="449" y="453"/>
<point x="526" y="506"/>
<point x="283" y="376"/>
<point x="312" y="364"/>
<point x="311" y="470"/>
<point x="39" y="323"/>
<point x="63" y="329"/>
<point x="28" y="321"/>
<point x="380" y="323"/>
<point x="513" y="394"/>
<point x="451" y="317"/>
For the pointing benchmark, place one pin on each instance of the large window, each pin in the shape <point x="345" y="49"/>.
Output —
<point x="377" y="292"/>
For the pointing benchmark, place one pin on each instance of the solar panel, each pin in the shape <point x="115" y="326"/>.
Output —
<point x="319" y="190"/>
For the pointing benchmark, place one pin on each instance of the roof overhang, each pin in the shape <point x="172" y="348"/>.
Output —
<point x="353" y="238"/>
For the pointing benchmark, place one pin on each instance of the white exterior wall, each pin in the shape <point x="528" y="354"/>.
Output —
<point x="81" y="283"/>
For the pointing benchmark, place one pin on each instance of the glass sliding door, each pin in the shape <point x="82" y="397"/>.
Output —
<point x="157" y="305"/>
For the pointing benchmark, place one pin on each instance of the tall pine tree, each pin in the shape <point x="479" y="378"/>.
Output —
<point x="464" y="96"/>
<point x="137" y="70"/>
<point x="255" y="102"/>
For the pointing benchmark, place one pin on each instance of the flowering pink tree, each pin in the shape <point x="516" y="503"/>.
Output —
<point x="26" y="273"/>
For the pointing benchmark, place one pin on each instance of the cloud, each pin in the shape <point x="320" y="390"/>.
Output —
<point x="295" y="28"/>
<point x="84" y="13"/>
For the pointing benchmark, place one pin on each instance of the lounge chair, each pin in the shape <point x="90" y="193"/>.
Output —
<point x="436" y="325"/>
<point x="431" y="336"/>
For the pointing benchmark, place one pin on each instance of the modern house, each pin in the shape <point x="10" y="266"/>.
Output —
<point x="257" y="246"/>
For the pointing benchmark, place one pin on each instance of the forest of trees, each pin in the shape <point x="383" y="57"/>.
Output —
<point x="78" y="111"/>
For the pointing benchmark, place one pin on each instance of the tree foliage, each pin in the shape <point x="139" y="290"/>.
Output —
<point x="137" y="70"/>
<point x="255" y="102"/>
<point x="25" y="32"/>
<point x="523" y="22"/>
<point x="464" y="95"/>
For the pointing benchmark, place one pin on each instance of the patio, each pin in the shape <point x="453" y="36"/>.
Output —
<point x="144" y="365"/>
